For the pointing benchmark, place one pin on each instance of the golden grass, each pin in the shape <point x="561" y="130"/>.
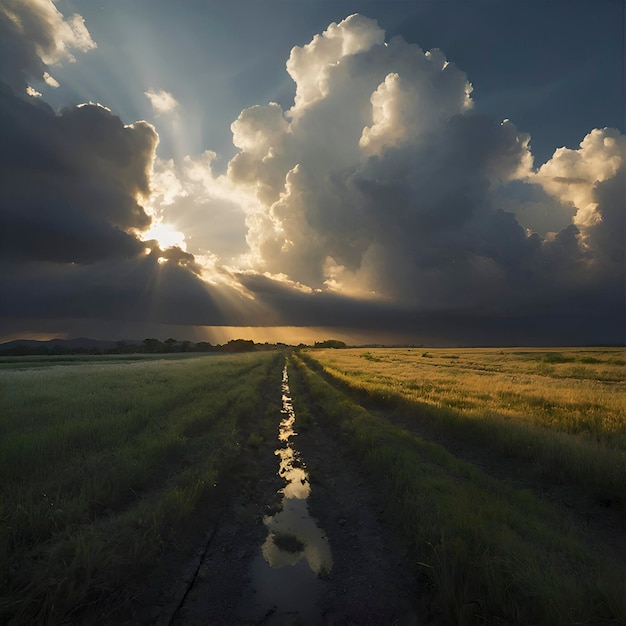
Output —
<point x="559" y="389"/>
<point x="563" y="410"/>
<point x="493" y="553"/>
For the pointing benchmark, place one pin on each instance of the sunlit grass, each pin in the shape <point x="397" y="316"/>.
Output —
<point x="562" y="410"/>
<point x="101" y="464"/>
<point x="495" y="554"/>
<point x="550" y="388"/>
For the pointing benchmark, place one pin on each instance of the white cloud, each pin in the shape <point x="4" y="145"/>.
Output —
<point x="54" y="35"/>
<point x="591" y="180"/>
<point x="311" y="65"/>
<point x="380" y="182"/>
<point x="33" y="35"/>
<point x="573" y="175"/>
<point x="33" y="93"/>
<point x="50" y="80"/>
<point x="208" y="209"/>
<point x="162" y="101"/>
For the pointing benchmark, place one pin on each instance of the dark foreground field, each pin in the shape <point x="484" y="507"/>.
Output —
<point x="415" y="487"/>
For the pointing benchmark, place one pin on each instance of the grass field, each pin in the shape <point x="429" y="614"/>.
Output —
<point x="564" y="411"/>
<point x="104" y="462"/>
<point x="107" y="462"/>
<point x="39" y="361"/>
<point x="495" y="553"/>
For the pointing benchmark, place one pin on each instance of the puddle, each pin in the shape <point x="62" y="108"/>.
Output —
<point x="285" y="576"/>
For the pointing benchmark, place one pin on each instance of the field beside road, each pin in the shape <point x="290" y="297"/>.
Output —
<point x="106" y="462"/>
<point x="504" y="469"/>
<point x="468" y="486"/>
<point x="562" y="411"/>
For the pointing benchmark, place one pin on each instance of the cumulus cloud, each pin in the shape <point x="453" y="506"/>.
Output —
<point x="381" y="183"/>
<point x="162" y="101"/>
<point x="33" y="35"/>
<point x="590" y="254"/>
<point x="377" y="179"/>
<point x="379" y="198"/>
<point x="575" y="176"/>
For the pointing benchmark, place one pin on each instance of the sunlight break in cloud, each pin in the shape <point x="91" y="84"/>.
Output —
<point x="381" y="184"/>
<point x="74" y="241"/>
<point x="378" y="197"/>
<point x="208" y="208"/>
<point x="162" y="101"/>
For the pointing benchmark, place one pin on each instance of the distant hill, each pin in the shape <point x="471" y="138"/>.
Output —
<point x="80" y="343"/>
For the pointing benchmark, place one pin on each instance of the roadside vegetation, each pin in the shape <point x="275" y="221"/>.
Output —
<point x="490" y="551"/>
<point x="561" y="411"/>
<point x="103" y="465"/>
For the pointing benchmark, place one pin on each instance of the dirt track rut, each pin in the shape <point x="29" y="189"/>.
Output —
<point x="370" y="581"/>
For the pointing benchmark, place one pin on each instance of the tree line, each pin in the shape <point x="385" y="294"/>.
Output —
<point x="151" y="345"/>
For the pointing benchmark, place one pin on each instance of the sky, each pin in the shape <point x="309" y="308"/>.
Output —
<point x="428" y="172"/>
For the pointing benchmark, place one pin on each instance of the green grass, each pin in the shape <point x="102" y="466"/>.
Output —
<point x="102" y="464"/>
<point x="493" y="553"/>
<point x="563" y="412"/>
<point x="38" y="361"/>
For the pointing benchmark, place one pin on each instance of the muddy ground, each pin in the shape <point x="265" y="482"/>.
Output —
<point x="370" y="582"/>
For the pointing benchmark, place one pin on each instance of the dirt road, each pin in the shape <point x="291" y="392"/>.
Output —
<point x="303" y="543"/>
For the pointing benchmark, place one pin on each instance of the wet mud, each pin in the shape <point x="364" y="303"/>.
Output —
<point x="306" y="545"/>
<point x="285" y="577"/>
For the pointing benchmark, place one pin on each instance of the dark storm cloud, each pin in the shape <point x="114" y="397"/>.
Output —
<point x="571" y="320"/>
<point x="379" y="200"/>
<point x="138" y="290"/>
<point x="70" y="183"/>
<point x="72" y="192"/>
<point x="381" y="184"/>
<point x="71" y="188"/>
